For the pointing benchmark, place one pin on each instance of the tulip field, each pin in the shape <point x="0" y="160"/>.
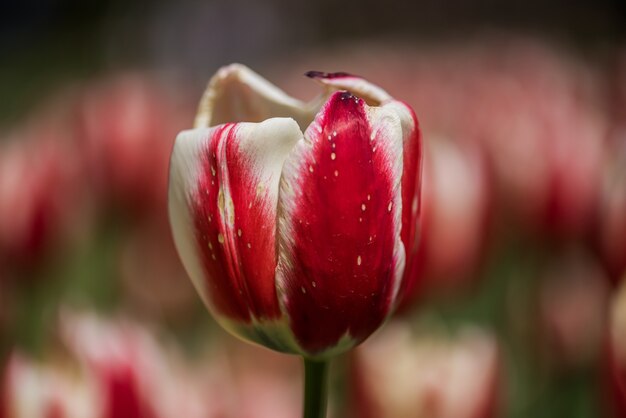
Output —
<point x="438" y="229"/>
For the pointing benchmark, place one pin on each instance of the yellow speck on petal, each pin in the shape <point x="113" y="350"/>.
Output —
<point x="220" y="238"/>
<point x="333" y="156"/>
<point x="389" y="207"/>
<point x="358" y="261"/>
<point x="249" y="245"/>
<point x="313" y="284"/>
<point x="213" y="257"/>
<point x="220" y="200"/>
<point x="239" y="232"/>
<point x="311" y="168"/>
<point x="336" y="173"/>
<point x="210" y="246"/>
<point x="369" y="197"/>
<point x="302" y="289"/>
<point x="363" y="207"/>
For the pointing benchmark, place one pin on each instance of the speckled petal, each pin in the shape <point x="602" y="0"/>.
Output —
<point x="411" y="138"/>
<point x="223" y="196"/>
<point x="341" y="257"/>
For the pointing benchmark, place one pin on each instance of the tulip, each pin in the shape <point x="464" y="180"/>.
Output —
<point x="40" y="190"/>
<point x="44" y="390"/>
<point x="454" y="219"/>
<point x="111" y="369"/>
<point x="573" y="297"/>
<point x="125" y="128"/>
<point x="403" y="374"/>
<point x="131" y="373"/>
<point x="297" y="241"/>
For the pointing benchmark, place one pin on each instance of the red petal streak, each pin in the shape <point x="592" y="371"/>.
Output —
<point x="235" y="230"/>
<point x="338" y="261"/>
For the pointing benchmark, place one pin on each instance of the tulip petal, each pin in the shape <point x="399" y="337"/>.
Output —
<point x="340" y="254"/>
<point x="238" y="94"/>
<point x="411" y="184"/>
<point x="411" y="137"/>
<point x="356" y="85"/>
<point x="223" y="196"/>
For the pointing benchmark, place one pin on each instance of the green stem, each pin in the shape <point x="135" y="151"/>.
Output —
<point x="315" y="388"/>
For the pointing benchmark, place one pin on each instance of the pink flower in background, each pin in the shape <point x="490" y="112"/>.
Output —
<point x="38" y="390"/>
<point x="133" y="375"/>
<point x="102" y="145"/>
<point x="453" y="224"/>
<point x="42" y="191"/>
<point x="537" y="114"/>
<point x="126" y="127"/>
<point x="116" y="368"/>
<point x="294" y="240"/>
<point x="401" y="375"/>
<point x="573" y="300"/>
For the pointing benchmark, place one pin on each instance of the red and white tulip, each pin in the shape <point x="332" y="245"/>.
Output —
<point x="294" y="220"/>
<point x="401" y="374"/>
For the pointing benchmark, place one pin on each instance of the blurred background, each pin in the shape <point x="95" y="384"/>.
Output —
<point x="518" y="310"/>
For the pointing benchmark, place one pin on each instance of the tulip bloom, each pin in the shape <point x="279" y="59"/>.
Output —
<point x="297" y="241"/>
<point x="402" y="374"/>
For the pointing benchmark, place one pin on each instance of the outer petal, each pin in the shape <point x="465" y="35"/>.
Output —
<point x="411" y="184"/>
<point x="223" y="197"/>
<point x="340" y="253"/>
<point x="412" y="151"/>
<point x="238" y="94"/>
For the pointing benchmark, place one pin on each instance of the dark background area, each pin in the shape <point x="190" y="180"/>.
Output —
<point x="44" y="43"/>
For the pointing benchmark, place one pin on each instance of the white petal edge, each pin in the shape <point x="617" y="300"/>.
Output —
<point x="268" y="100"/>
<point x="268" y="144"/>
<point x="371" y="93"/>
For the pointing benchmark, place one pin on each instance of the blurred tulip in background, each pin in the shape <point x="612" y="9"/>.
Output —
<point x="516" y="267"/>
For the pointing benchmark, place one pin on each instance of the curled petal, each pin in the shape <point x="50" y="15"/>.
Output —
<point x="340" y="253"/>
<point x="352" y="83"/>
<point x="223" y="197"/>
<point x="238" y="94"/>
